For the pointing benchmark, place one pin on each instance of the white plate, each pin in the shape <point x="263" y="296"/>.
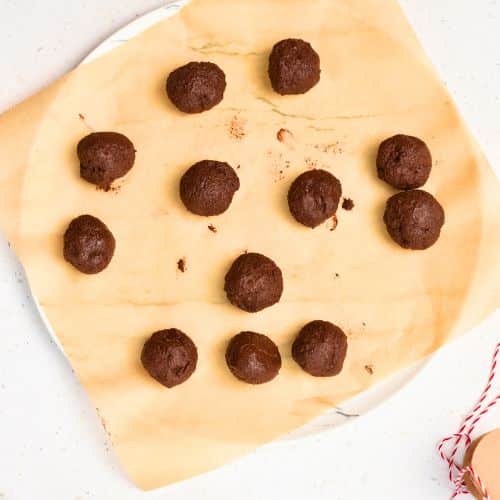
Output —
<point x="350" y="409"/>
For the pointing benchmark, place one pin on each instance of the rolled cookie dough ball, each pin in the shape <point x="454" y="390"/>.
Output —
<point x="404" y="162"/>
<point x="320" y="349"/>
<point x="88" y="244"/>
<point x="414" y="219"/>
<point x="196" y="87"/>
<point x="294" y="67"/>
<point x="104" y="157"/>
<point x="169" y="356"/>
<point x="253" y="282"/>
<point x="208" y="187"/>
<point x="253" y="358"/>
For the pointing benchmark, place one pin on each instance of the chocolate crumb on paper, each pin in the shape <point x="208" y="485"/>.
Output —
<point x="83" y="118"/>
<point x="347" y="204"/>
<point x="334" y="223"/>
<point x="286" y="137"/>
<point x="369" y="369"/>
<point x="212" y="228"/>
<point x="181" y="265"/>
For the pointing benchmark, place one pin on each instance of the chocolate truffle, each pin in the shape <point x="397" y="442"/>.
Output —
<point x="196" y="87"/>
<point x="208" y="187"/>
<point x="104" y="157"/>
<point x="88" y="244"/>
<point x="170" y="357"/>
<point x="320" y="349"/>
<point x="253" y="358"/>
<point x="294" y="67"/>
<point x="404" y="162"/>
<point x="253" y="282"/>
<point x="414" y="219"/>
<point x="314" y="197"/>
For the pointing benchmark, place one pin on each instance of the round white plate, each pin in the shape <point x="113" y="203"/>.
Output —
<point x="350" y="409"/>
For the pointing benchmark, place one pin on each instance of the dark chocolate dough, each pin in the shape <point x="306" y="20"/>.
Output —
<point x="196" y="87"/>
<point x="208" y="187"/>
<point x="88" y="244"/>
<point x="404" y="162"/>
<point x="104" y="157"/>
<point x="314" y="197"/>
<point x="253" y="358"/>
<point x="320" y="349"/>
<point x="294" y="67"/>
<point x="253" y="282"/>
<point x="414" y="219"/>
<point x="169" y="356"/>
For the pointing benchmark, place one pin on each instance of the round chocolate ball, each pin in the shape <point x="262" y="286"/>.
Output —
<point x="294" y="67"/>
<point x="208" y="187"/>
<point x="314" y="197"/>
<point x="169" y="356"/>
<point x="320" y="349"/>
<point x="404" y="162"/>
<point x="253" y="282"/>
<point x="88" y="244"/>
<point x="414" y="219"/>
<point x="196" y="87"/>
<point x="253" y="358"/>
<point x="104" y="157"/>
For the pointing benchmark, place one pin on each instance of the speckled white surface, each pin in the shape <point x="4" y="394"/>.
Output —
<point x="51" y="446"/>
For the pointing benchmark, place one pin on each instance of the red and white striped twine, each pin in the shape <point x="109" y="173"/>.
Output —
<point x="462" y="438"/>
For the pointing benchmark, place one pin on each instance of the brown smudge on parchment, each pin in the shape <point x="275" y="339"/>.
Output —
<point x="237" y="130"/>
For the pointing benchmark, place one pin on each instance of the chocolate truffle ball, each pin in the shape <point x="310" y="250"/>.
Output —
<point x="88" y="244"/>
<point x="253" y="358"/>
<point x="196" y="87"/>
<point x="314" y="197"/>
<point x="294" y="67"/>
<point x="208" y="187"/>
<point x="320" y="349"/>
<point x="104" y="157"/>
<point x="253" y="282"/>
<point x="170" y="357"/>
<point x="404" y="162"/>
<point x="414" y="219"/>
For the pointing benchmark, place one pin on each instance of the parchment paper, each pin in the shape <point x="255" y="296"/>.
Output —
<point x="397" y="306"/>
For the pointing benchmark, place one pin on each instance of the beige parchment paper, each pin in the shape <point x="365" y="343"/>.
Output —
<point x="396" y="306"/>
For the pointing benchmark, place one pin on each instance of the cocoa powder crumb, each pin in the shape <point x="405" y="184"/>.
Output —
<point x="181" y="265"/>
<point x="310" y="163"/>
<point x="212" y="228"/>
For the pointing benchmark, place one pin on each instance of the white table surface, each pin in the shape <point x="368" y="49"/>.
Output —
<point x="51" y="444"/>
